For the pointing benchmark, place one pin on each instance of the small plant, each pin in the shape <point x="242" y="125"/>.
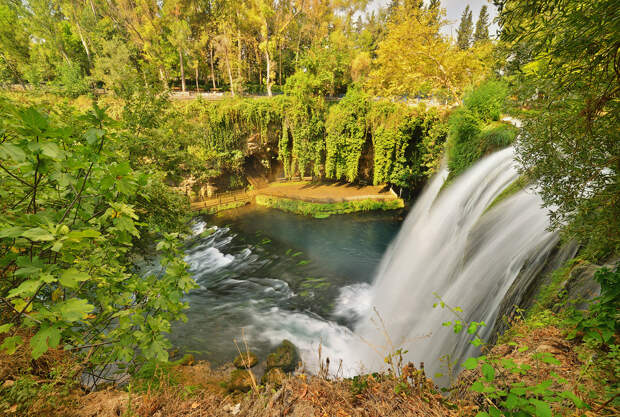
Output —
<point x="601" y="323"/>
<point x="501" y="397"/>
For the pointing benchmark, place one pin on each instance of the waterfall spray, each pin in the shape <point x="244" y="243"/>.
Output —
<point x="450" y="246"/>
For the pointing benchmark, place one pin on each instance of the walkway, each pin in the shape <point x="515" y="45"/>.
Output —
<point x="326" y="192"/>
<point x="301" y="190"/>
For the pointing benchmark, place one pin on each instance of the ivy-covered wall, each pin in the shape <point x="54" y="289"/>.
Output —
<point x="357" y="139"/>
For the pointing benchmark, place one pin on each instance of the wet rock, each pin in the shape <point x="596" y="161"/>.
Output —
<point x="246" y="360"/>
<point x="186" y="360"/>
<point x="274" y="377"/>
<point x="285" y="357"/>
<point x="240" y="380"/>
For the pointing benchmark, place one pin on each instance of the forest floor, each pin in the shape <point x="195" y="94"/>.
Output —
<point x="200" y="390"/>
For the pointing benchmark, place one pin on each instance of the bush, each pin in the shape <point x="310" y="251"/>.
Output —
<point x="323" y="210"/>
<point x="497" y="135"/>
<point x="464" y="129"/>
<point x="487" y="101"/>
<point x="71" y="80"/>
<point x="474" y="130"/>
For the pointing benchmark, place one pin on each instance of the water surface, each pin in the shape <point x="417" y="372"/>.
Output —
<point x="277" y="275"/>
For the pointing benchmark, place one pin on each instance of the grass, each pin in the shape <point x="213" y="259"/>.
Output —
<point x="324" y="210"/>
<point x="516" y="186"/>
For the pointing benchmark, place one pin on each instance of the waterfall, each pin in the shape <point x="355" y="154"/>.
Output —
<point x="451" y="245"/>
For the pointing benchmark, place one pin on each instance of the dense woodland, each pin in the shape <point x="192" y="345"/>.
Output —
<point x="95" y="145"/>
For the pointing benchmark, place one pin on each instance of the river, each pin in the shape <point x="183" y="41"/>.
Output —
<point x="279" y="276"/>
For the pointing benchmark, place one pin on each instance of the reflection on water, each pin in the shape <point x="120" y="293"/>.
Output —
<point x="279" y="276"/>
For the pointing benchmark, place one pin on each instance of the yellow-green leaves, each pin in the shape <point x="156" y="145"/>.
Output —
<point x="74" y="309"/>
<point x="38" y="234"/>
<point x="47" y="337"/>
<point x="72" y="277"/>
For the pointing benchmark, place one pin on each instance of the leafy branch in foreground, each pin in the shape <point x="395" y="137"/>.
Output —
<point x="66" y="235"/>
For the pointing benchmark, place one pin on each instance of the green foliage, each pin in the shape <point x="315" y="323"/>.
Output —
<point x="601" y="322"/>
<point x="323" y="210"/>
<point x="473" y="129"/>
<point x="407" y="143"/>
<point x="70" y="220"/>
<point x="487" y="101"/>
<point x="511" y="399"/>
<point x="346" y="130"/>
<point x="569" y="146"/>
<point x="465" y="30"/>
<point x="71" y="81"/>
<point x="302" y="143"/>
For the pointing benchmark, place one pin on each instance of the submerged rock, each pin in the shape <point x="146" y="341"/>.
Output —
<point x="240" y="380"/>
<point x="285" y="357"/>
<point x="246" y="360"/>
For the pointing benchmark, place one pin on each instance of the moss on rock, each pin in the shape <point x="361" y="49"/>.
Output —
<point x="240" y="380"/>
<point x="285" y="357"/>
<point x="246" y="360"/>
<point x="274" y="377"/>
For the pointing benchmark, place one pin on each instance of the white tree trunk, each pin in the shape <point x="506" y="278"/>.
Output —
<point x="182" y="71"/>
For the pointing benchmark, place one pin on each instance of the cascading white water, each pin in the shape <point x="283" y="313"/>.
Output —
<point x="450" y="246"/>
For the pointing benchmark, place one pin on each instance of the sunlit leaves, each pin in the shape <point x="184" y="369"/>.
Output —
<point x="74" y="309"/>
<point x="68" y="239"/>
<point x="47" y="337"/>
<point x="72" y="277"/>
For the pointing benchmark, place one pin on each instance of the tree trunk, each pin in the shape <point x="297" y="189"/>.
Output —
<point x="259" y="65"/>
<point x="239" y="54"/>
<point x="212" y="70"/>
<point x="84" y="43"/>
<point x="268" y="79"/>
<point x="197" y="87"/>
<point x="182" y="71"/>
<point x="162" y="77"/>
<point x="280" y="71"/>
<point x="230" y="77"/>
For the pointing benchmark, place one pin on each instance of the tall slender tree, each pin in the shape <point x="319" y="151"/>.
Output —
<point x="482" y="25"/>
<point x="465" y="30"/>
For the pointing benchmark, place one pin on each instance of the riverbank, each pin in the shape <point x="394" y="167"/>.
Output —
<point x="324" y="210"/>
<point x="316" y="199"/>
<point x="538" y="361"/>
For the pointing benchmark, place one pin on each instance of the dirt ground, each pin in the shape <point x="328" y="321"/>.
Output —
<point x="325" y="192"/>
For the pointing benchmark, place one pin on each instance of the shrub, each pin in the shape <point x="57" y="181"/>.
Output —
<point x="487" y="101"/>
<point x="71" y="80"/>
<point x="323" y="210"/>
<point x="474" y="130"/>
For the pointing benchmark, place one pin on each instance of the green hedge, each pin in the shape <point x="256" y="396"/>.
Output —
<point x="323" y="210"/>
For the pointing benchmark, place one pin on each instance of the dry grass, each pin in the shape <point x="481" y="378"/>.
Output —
<point x="299" y="396"/>
<point x="200" y="390"/>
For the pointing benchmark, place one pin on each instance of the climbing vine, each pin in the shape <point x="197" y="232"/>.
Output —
<point x="407" y="143"/>
<point x="346" y="130"/>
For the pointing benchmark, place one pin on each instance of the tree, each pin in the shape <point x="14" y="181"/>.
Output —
<point x="465" y="30"/>
<point x="415" y="58"/>
<point x="569" y="146"/>
<point x="482" y="26"/>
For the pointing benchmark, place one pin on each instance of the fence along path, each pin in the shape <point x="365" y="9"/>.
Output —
<point x="224" y="198"/>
